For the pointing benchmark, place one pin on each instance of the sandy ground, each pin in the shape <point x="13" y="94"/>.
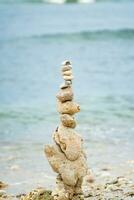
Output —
<point x="118" y="188"/>
<point x="112" y="181"/>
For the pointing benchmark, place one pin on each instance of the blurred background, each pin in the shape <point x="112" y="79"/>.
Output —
<point x="35" y="37"/>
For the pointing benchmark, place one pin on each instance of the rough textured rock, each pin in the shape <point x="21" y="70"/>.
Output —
<point x="65" y="94"/>
<point x="69" y="141"/>
<point x="66" y="156"/>
<point x="55" y="156"/>
<point x="3" y="185"/>
<point x="68" y="107"/>
<point x="114" y="188"/>
<point x="68" y="120"/>
<point x="38" y="194"/>
<point x="70" y="171"/>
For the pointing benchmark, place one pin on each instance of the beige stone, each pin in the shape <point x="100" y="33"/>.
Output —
<point x="62" y="191"/>
<point x="3" y="185"/>
<point x="63" y="86"/>
<point x="67" y="73"/>
<point x="69" y="141"/>
<point x="68" y="107"/>
<point x="54" y="156"/>
<point x="65" y="94"/>
<point x="73" y="171"/>
<point x="66" y="68"/>
<point x="66" y="84"/>
<point x="66" y="65"/>
<point x="68" y="78"/>
<point x="36" y="194"/>
<point x="70" y="171"/>
<point x="67" y="157"/>
<point x="68" y="120"/>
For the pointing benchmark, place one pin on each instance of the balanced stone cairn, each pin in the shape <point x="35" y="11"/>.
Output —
<point x="66" y="156"/>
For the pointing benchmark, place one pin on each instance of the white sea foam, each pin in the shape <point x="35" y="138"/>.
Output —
<point x="86" y="1"/>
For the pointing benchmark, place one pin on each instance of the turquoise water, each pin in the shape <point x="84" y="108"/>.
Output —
<point x="34" y="39"/>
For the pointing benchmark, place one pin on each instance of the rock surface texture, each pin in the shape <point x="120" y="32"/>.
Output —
<point x="66" y="156"/>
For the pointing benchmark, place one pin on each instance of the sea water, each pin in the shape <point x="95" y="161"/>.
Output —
<point x="34" y="39"/>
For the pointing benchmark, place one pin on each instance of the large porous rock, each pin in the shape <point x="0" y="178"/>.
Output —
<point x="70" y="171"/>
<point x="68" y="107"/>
<point x="73" y="171"/>
<point x="68" y="120"/>
<point x="54" y="156"/>
<point x="65" y="94"/>
<point x="61" y="192"/>
<point x="69" y="141"/>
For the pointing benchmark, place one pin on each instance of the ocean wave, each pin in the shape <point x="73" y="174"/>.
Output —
<point x="48" y="1"/>
<point x="126" y="34"/>
<point x="61" y="1"/>
<point x="69" y="1"/>
<point x="121" y="33"/>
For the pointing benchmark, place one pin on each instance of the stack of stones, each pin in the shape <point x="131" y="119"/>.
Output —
<point x="66" y="156"/>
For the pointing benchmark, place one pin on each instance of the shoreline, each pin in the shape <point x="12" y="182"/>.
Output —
<point x="106" y="173"/>
<point x="119" y="188"/>
<point x="105" y="187"/>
